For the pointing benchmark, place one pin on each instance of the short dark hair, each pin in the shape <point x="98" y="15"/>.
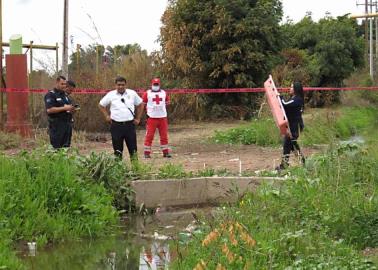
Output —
<point x="71" y="83"/>
<point x="60" y="78"/>
<point x="120" y="79"/>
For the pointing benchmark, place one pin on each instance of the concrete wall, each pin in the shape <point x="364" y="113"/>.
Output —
<point x="194" y="191"/>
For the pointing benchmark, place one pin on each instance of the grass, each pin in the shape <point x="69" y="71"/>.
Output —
<point x="43" y="199"/>
<point x="328" y="126"/>
<point x="321" y="127"/>
<point x="260" y="132"/>
<point x="321" y="219"/>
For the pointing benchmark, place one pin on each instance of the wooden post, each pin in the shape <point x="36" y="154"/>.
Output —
<point x="57" y="58"/>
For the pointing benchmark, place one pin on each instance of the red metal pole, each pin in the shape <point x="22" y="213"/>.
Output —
<point x="18" y="102"/>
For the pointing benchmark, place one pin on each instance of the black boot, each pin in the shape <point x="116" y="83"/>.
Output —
<point x="284" y="163"/>
<point x="303" y="160"/>
<point x="167" y="155"/>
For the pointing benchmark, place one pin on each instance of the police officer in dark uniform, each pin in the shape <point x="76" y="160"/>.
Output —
<point x="293" y="109"/>
<point x="59" y="110"/>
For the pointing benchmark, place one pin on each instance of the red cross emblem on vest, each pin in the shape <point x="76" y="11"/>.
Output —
<point x="157" y="99"/>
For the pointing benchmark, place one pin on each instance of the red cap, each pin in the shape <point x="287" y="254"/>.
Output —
<point x="155" y="81"/>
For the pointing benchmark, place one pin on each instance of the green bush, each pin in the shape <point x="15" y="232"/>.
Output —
<point x="260" y="132"/>
<point x="111" y="172"/>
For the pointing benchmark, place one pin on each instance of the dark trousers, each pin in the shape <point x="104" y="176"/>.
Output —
<point x="291" y="145"/>
<point x="124" y="131"/>
<point x="60" y="132"/>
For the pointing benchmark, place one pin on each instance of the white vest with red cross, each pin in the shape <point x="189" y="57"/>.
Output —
<point x="156" y="103"/>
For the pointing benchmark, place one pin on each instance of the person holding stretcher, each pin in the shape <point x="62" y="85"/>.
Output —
<point x="293" y="109"/>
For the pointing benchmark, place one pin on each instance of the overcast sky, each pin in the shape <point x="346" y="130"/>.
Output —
<point x="121" y="21"/>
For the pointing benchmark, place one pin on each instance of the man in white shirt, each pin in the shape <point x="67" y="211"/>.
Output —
<point x="123" y="109"/>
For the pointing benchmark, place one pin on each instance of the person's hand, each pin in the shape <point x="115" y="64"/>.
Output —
<point x="108" y="119"/>
<point x="68" y="108"/>
<point x="136" y="121"/>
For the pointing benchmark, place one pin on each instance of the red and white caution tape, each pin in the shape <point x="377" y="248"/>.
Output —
<point x="195" y="91"/>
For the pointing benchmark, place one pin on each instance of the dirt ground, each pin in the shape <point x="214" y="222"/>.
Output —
<point x="191" y="148"/>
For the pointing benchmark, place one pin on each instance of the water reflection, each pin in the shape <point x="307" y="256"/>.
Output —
<point x="155" y="257"/>
<point x="141" y="243"/>
<point x="111" y="254"/>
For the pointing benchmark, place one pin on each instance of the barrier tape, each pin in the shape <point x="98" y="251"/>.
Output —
<point x="195" y="91"/>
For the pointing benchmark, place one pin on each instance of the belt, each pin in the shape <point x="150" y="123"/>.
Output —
<point x="124" y="122"/>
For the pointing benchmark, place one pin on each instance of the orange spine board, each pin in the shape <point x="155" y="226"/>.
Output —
<point x="276" y="106"/>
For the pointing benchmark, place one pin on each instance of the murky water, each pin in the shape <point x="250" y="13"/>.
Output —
<point x="139" y="243"/>
<point x="112" y="253"/>
<point x="354" y="139"/>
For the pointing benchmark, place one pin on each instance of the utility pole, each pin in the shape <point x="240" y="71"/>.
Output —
<point x="65" y="40"/>
<point x="371" y="42"/>
<point x="366" y="31"/>
<point x="368" y="35"/>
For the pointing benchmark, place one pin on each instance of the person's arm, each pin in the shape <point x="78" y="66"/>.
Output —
<point x="291" y="103"/>
<point x="138" y="113"/>
<point x="103" y="105"/>
<point x="65" y="108"/>
<point x="51" y="105"/>
<point x="105" y="113"/>
<point x="139" y="106"/>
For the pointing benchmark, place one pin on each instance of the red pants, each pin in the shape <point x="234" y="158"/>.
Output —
<point x="162" y="125"/>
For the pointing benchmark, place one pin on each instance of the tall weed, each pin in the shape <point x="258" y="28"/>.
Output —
<point x="107" y="170"/>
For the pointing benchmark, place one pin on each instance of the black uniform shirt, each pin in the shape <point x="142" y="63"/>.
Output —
<point x="293" y="109"/>
<point x="58" y="98"/>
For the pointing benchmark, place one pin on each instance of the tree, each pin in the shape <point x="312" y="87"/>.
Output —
<point x="220" y="44"/>
<point x="333" y="45"/>
<point x="333" y="49"/>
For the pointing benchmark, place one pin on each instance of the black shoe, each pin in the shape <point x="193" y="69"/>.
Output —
<point x="167" y="155"/>
<point x="281" y="167"/>
<point x="147" y="156"/>
<point x="303" y="160"/>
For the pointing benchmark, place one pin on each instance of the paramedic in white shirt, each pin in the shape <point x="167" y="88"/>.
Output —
<point x="123" y="109"/>
<point x="156" y="101"/>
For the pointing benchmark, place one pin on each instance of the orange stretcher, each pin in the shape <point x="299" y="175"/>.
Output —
<point x="276" y="106"/>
